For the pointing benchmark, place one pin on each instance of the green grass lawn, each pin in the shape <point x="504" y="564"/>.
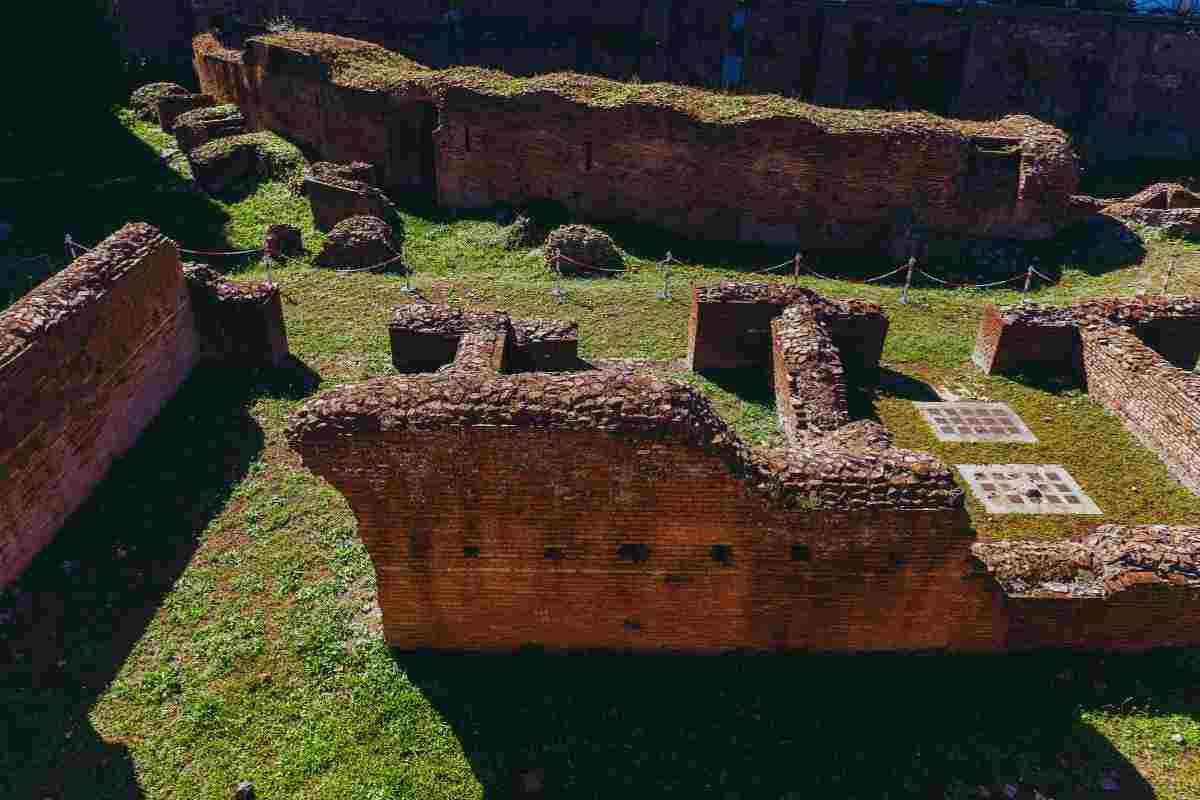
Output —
<point x="210" y="615"/>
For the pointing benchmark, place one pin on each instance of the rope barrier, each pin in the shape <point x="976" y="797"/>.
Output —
<point x="589" y="266"/>
<point x="185" y="251"/>
<point x="886" y="274"/>
<point x="371" y="268"/>
<point x="1040" y="275"/>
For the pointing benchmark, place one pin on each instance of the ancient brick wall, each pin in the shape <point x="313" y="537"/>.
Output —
<point x="238" y="324"/>
<point x="608" y="508"/>
<point x="1122" y="84"/>
<point x="1158" y="402"/>
<point x="790" y="173"/>
<point x="1117" y="588"/>
<point x="87" y="359"/>
<point x="1136" y="358"/>
<point x="782" y="180"/>
<point x="615" y="511"/>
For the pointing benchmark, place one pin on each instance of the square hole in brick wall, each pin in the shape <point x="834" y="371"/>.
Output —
<point x="1026" y="489"/>
<point x="975" y="422"/>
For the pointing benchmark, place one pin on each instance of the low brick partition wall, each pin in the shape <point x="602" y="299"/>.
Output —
<point x="87" y="359"/>
<point x="730" y="325"/>
<point x="172" y="106"/>
<point x="195" y="128"/>
<point x="700" y="164"/>
<point x="334" y="199"/>
<point x="608" y="508"/>
<point x="1117" y="588"/>
<point x="1135" y="356"/>
<point x="238" y="323"/>
<point x="90" y="356"/>
<point x="426" y="336"/>
<point x="810" y="383"/>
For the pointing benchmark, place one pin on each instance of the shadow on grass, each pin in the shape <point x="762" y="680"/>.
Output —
<point x="796" y="725"/>
<point x="121" y="180"/>
<point x="72" y="618"/>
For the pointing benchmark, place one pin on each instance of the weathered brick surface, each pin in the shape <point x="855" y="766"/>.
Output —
<point x="239" y="324"/>
<point x="1118" y="588"/>
<point x="583" y="510"/>
<point x="334" y="199"/>
<point x="1119" y="83"/>
<point x="1158" y="402"/>
<point x="87" y="359"/>
<point x="730" y="323"/>
<point x="810" y="383"/>
<point x="608" y="508"/>
<point x="1136" y="357"/>
<point x="172" y="106"/>
<point x="836" y="180"/>
<point x="192" y="130"/>
<point x="426" y="336"/>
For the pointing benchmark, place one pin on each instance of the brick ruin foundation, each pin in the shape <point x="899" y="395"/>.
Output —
<point x="1136" y="357"/>
<point x="1119" y="83"/>
<point x="613" y="508"/>
<point x="89" y="357"/>
<point x="788" y="172"/>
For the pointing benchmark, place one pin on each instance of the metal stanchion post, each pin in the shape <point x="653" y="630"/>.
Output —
<point x="796" y="268"/>
<point x="1028" y="280"/>
<point x="665" y="292"/>
<point x="558" y="292"/>
<point x="908" y="274"/>
<point x="407" y="288"/>
<point x="1167" y="278"/>
<point x="69" y="246"/>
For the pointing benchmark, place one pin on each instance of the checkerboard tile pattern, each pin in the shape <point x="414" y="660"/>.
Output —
<point x="975" y="422"/>
<point x="1027" y="489"/>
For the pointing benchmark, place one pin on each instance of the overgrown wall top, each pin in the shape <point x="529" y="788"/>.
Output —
<point x="1121" y="84"/>
<point x="787" y="171"/>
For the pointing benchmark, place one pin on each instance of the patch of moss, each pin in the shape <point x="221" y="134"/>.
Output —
<point x="277" y="158"/>
<point x="223" y="111"/>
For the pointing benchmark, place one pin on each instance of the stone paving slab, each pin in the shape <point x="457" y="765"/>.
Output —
<point x="966" y="421"/>
<point x="1027" y="489"/>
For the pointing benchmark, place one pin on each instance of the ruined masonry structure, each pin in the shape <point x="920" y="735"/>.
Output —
<point x="787" y="171"/>
<point x="89" y="357"/>
<point x="613" y="508"/>
<point x="1121" y="84"/>
<point x="1135" y="357"/>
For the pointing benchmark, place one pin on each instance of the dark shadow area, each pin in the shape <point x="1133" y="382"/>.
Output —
<point x="797" y="725"/>
<point x="753" y="385"/>
<point x="1120" y="179"/>
<point x="67" y="625"/>
<point x="95" y="189"/>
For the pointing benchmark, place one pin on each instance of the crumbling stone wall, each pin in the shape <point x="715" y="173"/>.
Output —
<point x="428" y="336"/>
<point x="1116" y="588"/>
<point x="238" y="323"/>
<point x="1119" y="83"/>
<point x="788" y="171"/>
<point x="87" y="359"/>
<point x="606" y="508"/>
<point x="611" y="508"/>
<point x="1136" y="358"/>
<point x="90" y="356"/>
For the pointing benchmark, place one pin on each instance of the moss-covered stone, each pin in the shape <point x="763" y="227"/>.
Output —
<point x="583" y="250"/>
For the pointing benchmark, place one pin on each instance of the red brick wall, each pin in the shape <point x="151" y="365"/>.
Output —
<point x="549" y="510"/>
<point x="1120" y="84"/>
<point x="1007" y="347"/>
<point x="1155" y="400"/>
<point x="783" y="179"/>
<point x="86" y="361"/>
